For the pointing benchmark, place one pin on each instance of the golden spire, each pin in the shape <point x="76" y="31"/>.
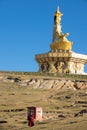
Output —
<point x="59" y="42"/>
<point x="57" y="16"/>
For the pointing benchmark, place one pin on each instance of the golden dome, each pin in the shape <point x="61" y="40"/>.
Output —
<point x="62" y="45"/>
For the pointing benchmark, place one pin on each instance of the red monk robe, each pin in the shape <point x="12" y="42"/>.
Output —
<point x="31" y="120"/>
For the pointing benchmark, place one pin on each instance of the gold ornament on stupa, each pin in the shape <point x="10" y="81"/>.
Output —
<point x="60" y="42"/>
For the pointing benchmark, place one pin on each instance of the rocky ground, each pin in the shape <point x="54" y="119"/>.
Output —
<point x="64" y="102"/>
<point x="45" y="83"/>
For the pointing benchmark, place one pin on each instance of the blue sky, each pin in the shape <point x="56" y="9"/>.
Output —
<point x="26" y="29"/>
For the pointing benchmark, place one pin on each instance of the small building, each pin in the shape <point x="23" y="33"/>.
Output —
<point x="36" y="112"/>
<point x="61" y="58"/>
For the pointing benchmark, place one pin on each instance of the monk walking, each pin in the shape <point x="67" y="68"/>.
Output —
<point x="30" y="120"/>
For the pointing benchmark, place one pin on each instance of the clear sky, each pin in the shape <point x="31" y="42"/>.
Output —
<point x="26" y="29"/>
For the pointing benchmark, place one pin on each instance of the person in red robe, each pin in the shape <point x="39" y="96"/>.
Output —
<point x="30" y="120"/>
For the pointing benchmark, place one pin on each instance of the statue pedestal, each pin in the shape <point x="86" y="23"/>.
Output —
<point x="61" y="62"/>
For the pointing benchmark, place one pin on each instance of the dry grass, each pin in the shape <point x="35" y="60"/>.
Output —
<point x="15" y="99"/>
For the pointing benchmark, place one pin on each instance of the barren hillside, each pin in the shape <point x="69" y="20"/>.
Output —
<point x="63" y="99"/>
